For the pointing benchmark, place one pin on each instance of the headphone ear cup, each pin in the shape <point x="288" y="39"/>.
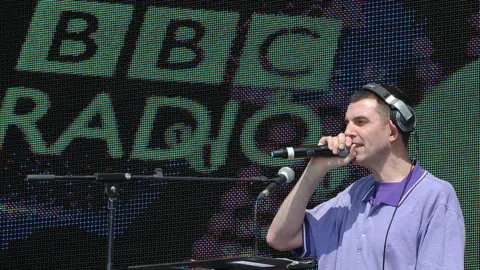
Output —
<point x="401" y="123"/>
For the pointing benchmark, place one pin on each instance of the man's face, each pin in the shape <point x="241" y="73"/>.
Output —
<point x="368" y="131"/>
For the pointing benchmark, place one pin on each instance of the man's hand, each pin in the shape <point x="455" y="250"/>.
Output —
<point x="336" y="144"/>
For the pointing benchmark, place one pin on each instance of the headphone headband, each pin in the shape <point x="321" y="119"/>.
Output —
<point x="407" y="124"/>
<point x="390" y="99"/>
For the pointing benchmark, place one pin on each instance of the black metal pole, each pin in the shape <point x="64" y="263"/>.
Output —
<point x="112" y="192"/>
<point x="111" y="213"/>
<point x="126" y="177"/>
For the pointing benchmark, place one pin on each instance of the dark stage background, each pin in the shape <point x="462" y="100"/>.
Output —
<point x="209" y="88"/>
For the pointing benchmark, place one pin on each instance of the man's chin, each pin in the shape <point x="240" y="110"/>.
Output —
<point x="357" y="161"/>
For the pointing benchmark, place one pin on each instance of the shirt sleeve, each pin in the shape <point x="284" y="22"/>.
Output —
<point x="307" y="248"/>
<point x="321" y="225"/>
<point x="442" y="241"/>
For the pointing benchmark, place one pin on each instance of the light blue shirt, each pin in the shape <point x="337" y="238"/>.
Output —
<point x="348" y="231"/>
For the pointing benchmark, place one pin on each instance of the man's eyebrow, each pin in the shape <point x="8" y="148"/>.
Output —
<point x="356" y="118"/>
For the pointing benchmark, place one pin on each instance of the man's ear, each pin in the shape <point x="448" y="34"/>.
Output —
<point x="394" y="132"/>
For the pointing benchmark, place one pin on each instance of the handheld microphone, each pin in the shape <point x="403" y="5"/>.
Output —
<point x="285" y="175"/>
<point x="306" y="152"/>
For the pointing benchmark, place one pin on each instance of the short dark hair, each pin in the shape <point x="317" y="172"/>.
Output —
<point x="383" y="108"/>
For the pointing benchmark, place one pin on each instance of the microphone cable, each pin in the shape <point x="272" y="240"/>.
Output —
<point x="255" y="233"/>
<point x="417" y="141"/>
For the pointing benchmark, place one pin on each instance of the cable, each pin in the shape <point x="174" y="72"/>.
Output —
<point x="393" y="215"/>
<point x="255" y="248"/>
<point x="417" y="143"/>
<point x="417" y="151"/>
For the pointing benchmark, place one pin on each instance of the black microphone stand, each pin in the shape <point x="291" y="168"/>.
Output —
<point x="112" y="183"/>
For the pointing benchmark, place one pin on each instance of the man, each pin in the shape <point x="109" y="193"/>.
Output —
<point x="400" y="217"/>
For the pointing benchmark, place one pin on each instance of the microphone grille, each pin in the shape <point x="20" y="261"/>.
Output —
<point x="288" y="172"/>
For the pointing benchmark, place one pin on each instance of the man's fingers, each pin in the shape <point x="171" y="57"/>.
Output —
<point x="341" y="141"/>
<point x="352" y="149"/>
<point x="352" y="154"/>
<point x="348" y="141"/>
<point x="324" y="140"/>
<point x="335" y="143"/>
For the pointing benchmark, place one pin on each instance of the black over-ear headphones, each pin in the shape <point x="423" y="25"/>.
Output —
<point x="402" y="116"/>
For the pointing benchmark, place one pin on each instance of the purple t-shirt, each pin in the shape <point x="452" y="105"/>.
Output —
<point x="348" y="231"/>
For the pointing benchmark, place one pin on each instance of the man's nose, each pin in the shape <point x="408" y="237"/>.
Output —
<point x="350" y="130"/>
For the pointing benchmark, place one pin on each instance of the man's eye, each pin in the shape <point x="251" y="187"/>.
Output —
<point x="361" y="122"/>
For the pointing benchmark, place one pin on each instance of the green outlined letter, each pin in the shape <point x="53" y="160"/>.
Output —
<point x="283" y="52"/>
<point x="184" y="45"/>
<point x="250" y="128"/>
<point x="27" y="122"/>
<point x="191" y="142"/>
<point x="100" y="106"/>
<point x="72" y="37"/>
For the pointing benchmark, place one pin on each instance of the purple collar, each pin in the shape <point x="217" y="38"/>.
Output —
<point x="389" y="193"/>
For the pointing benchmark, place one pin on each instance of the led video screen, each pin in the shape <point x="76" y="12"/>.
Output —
<point x="208" y="89"/>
